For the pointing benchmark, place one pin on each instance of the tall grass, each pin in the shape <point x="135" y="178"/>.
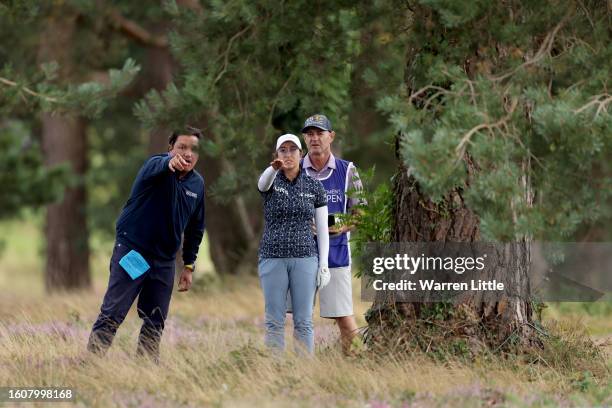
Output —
<point x="212" y="355"/>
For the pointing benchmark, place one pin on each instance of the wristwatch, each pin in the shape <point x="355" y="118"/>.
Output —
<point x="191" y="267"/>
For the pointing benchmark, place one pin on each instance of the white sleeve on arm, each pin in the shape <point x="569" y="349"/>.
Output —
<point x="266" y="179"/>
<point x="322" y="234"/>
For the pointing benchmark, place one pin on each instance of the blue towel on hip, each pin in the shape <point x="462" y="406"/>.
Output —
<point x="134" y="264"/>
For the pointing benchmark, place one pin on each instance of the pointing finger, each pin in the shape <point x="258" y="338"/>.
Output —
<point x="180" y="163"/>
<point x="184" y="162"/>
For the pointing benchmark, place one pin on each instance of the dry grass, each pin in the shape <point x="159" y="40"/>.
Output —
<point x="212" y="355"/>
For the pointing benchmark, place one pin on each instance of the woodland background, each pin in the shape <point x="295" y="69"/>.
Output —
<point x="468" y="121"/>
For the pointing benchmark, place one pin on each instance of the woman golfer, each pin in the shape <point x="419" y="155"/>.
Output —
<point x="290" y="259"/>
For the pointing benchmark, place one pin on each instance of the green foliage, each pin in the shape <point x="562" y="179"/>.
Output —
<point x="88" y="98"/>
<point x="19" y="10"/>
<point x="438" y="311"/>
<point x="24" y="180"/>
<point x="28" y="88"/>
<point x="247" y="72"/>
<point x="116" y="152"/>
<point x="26" y="85"/>
<point x="254" y="70"/>
<point x="373" y="217"/>
<point x="455" y="13"/>
<point x="249" y="62"/>
<point x="522" y="91"/>
<point x="584" y="382"/>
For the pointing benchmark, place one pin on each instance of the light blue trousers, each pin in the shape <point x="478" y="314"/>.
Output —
<point x="299" y="277"/>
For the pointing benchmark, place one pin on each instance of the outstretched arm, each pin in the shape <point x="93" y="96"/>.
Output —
<point x="266" y="179"/>
<point x="155" y="166"/>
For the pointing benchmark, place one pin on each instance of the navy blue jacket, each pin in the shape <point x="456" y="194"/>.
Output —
<point x="160" y="208"/>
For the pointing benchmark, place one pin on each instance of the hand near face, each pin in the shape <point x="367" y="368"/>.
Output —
<point x="177" y="163"/>
<point x="276" y="164"/>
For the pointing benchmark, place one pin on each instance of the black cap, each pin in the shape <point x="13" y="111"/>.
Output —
<point x="318" y="121"/>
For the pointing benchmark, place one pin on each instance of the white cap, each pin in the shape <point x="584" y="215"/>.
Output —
<point x="288" y="138"/>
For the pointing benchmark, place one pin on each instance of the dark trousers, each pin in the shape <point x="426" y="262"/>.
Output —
<point x="153" y="288"/>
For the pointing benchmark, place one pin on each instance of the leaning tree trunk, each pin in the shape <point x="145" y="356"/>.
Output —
<point x="64" y="140"/>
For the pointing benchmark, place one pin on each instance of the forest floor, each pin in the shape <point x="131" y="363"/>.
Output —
<point x="212" y="352"/>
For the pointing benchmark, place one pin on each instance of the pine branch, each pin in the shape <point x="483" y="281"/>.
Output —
<point x="543" y="51"/>
<point x="460" y="149"/>
<point x="277" y="97"/>
<point x="596" y="100"/>
<point x="28" y="90"/>
<point x="136" y="31"/>
<point x="427" y="87"/>
<point x="227" y="52"/>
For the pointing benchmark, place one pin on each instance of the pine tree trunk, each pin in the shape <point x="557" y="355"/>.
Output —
<point x="158" y="73"/>
<point x="67" y="263"/>
<point x="64" y="140"/>
<point x="232" y="240"/>
<point x="418" y="219"/>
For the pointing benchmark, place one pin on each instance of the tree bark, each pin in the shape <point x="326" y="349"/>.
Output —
<point x="475" y="320"/>
<point x="418" y="219"/>
<point x="157" y="74"/>
<point x="66" y="232"/>
<point x="64" y="140"/>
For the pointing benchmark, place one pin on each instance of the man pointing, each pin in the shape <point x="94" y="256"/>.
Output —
<point x="167" y="200"/>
